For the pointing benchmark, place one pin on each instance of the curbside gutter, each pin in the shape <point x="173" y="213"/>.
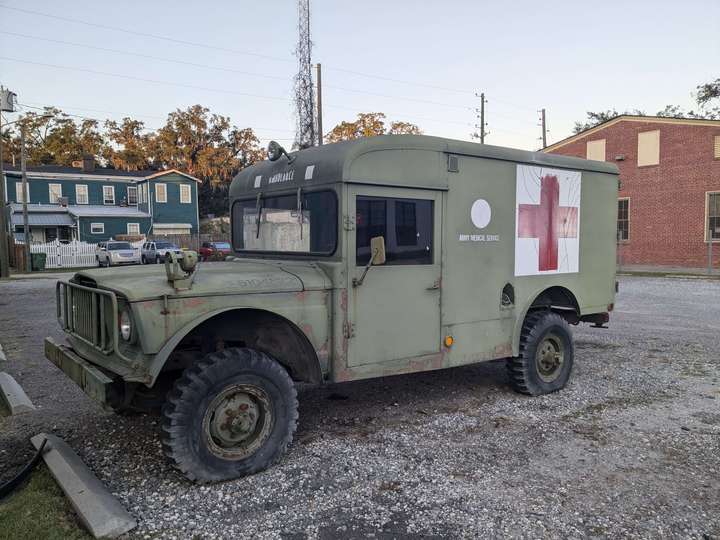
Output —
<point x="13" y="395"/>
<point x="100" y="512"/>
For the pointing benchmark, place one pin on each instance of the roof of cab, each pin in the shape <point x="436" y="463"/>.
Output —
<point x="331" y="163"/>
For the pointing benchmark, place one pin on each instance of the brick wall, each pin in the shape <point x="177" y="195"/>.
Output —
<point x="667" y="201"/>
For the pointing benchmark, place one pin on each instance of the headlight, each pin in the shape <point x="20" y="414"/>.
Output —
<point x="126" y="325"/>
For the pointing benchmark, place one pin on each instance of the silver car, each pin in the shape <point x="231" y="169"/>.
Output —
<point x="157" y="251"/>
<point x="114" y="253"/>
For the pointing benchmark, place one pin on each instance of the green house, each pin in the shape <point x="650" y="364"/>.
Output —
<point x="93" y="204"/>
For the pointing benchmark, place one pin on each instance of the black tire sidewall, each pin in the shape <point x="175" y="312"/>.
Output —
<point x="550" y="323"/>
<point x="260" y="371"/>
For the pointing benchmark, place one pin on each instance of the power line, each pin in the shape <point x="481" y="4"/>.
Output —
<point x="145" y="34"/>
<point x="228" y="70"/>
<point x="142" y="79"/>
<point x="41" y="106"/>
<point x="225" y="49"/>
<point x="149" y="56"/>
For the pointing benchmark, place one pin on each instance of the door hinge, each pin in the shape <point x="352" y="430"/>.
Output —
<point x="349" y="223"/>
<point x="349" y="330"/>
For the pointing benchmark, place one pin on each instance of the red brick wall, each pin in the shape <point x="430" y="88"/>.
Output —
<point x="667" y="201"/>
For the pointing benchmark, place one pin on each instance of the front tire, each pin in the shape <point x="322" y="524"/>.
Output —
<point x="232" y="414"/>
<point x="546" y="355"/>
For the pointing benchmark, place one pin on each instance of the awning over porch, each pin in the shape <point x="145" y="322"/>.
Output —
<point x="43" y="219"/>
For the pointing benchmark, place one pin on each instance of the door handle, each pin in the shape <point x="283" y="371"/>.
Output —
<point x="435" y="286"/>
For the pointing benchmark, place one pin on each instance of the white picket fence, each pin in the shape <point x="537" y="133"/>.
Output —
<point x="71" y="254"/>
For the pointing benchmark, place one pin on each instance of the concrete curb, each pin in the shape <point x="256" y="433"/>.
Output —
<point x="99" y="511"/>
<point x="13" y="395"/>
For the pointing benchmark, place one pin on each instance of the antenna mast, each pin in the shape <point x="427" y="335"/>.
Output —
<point x="304" y="97"/>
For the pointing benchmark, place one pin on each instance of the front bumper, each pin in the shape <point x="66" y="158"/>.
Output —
<point x="94" y="382"/>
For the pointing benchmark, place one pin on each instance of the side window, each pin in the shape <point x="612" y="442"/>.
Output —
<point x="406" y="224"/>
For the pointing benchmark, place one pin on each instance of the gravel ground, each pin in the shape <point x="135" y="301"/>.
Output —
<point x="630" y="448"/>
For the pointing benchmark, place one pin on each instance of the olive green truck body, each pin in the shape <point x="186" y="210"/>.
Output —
<point x="452" y="292"/>
<point x="375" y="257"/>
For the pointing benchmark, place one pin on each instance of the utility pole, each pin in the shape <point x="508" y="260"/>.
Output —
<point x="480" y="117"/>
<point x="26" y="227"/>
<point x="7" y="104"/>
<point x="544" y="128"/>
<point x="318" y="78"/>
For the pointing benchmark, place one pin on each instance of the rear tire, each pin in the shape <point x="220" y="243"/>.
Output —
<point x="546" y="355"/>
<point x="232" y="414"/>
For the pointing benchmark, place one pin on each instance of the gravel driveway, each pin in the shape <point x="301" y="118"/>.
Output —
<point x="630" y="448"/>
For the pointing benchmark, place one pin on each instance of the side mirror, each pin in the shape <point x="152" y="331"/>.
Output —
<point x="377" y="257"/>
<point x="377" y="248"/>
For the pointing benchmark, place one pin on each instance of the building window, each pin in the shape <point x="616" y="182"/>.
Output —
<point x="132" y="195"/>
<point x="185" y="193"/>
<point x="716" y="147"/>
<point x="406" y="224"/>
<point x="623" y="220"/>
<point x="19" y="192"/>
<point x="54" y="192"/>
<point x="108" y="195"/>
<point x="141" y="200"/>
<point x="712" y="231"/>
<point x="595" y="150"/>
<point x="161" y="193"/>
<point x="81" y="194"/>
<point x="133" y="229"/>
<point x="648" y="148"/>
<point x="97" y="228"/>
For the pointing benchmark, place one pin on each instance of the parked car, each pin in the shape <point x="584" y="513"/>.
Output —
<point x="157" y="251"/>
<point x="112" y="253"/>
<point x="213" y="250"/>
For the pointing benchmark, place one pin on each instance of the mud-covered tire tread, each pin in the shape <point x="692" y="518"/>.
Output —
<point x="519" y="367"/>
<point x="190" y="388"/>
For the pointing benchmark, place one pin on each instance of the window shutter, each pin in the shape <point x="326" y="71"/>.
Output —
<point x="648" y="148"/>
<point x="716" y="147"/>
<point x="595" y="150"/>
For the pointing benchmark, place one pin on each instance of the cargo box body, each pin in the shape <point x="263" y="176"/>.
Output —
<point x="476" y="235"/>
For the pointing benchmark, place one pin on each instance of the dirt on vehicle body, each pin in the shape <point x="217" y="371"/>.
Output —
<point x="361" y="259"/>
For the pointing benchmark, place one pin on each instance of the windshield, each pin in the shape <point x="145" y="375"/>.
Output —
<point x="287" y="223"/>
<point x="165" y="245"/>
<point x="116" y="246"/>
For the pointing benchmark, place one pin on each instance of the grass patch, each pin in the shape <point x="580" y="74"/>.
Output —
<point x="39" y="510"/>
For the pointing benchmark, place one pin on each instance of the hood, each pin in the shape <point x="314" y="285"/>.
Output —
<point x="232" y="277"/>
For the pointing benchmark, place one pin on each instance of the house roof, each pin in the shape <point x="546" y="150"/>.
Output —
<point x="43" y="219"/>
<point x="81" y="210"/>
<point x="168" y="171"/>
<point x="57" y="171"/>
<point x="89" y="210"/>
<point x="632" y="118"/>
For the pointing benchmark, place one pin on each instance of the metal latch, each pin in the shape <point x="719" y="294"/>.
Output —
<point x="349" y="223"/>
<point x="348" y="330"/>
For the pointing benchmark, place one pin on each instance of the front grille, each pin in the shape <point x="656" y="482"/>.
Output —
<point x="89" y="314"/>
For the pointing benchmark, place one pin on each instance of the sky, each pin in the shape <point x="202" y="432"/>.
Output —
<point x="421" y="62"/>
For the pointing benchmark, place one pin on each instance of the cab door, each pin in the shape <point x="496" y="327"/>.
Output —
<point x="395" y="313"/>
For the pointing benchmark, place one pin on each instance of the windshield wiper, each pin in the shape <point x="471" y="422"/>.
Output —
<point x="258" y="210"/>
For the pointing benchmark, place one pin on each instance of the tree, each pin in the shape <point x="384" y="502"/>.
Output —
<point x="132" y="150"/>
<point x="204" y="145"/>
<point x="705" y="97"/>
<point x="369" y="125"/>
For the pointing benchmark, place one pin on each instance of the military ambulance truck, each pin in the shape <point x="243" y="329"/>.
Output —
<point x="375" y="257"/>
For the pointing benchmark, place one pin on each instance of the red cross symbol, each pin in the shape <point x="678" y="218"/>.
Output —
<point x="547" y="222"/>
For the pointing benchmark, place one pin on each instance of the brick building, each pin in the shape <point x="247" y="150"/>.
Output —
<point x="669" y="200"/>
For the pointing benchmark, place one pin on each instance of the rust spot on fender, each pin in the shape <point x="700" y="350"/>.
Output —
<point x="193" y="302"/>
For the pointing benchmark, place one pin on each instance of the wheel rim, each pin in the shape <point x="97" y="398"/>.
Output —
<point x="238" y="421"/>
<point x="550" y="357"/>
